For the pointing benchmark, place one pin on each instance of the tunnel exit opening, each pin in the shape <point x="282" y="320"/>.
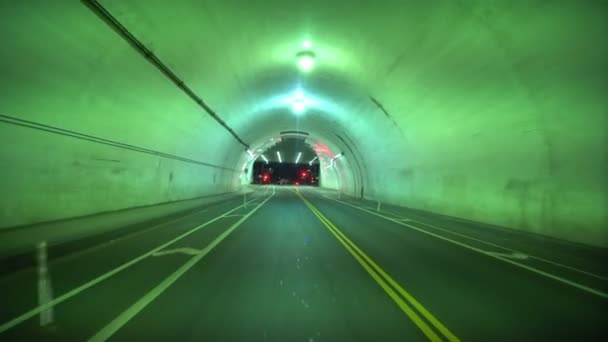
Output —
<point x="291" y="161"/>
<point x="285" y="173"/>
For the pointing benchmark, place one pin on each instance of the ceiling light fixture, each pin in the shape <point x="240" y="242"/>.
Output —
<point x="306" y="60"/>
<point x="332" y="161"/>
<point x="252" y="155"/>
<point x="299" y="102"/>
<point x="298" y="106"/>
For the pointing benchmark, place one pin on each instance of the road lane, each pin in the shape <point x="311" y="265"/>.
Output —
<point x="197" y="255"/>
<point x="76" y="271"/>
<point x="432" y="328"/>
<point x="478" y="297"/>
<point x="280" y="277"/>
<point x="283" y="275"/>
<point x="581" y="257"/>
<point x="550" y="265"/>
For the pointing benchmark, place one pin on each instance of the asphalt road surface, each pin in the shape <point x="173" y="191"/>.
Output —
<point x="306" y="265"/>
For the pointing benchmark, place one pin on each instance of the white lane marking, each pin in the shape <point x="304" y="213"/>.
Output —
<point x="122" y="319"/>
<point x="29" y="314"/>
<point x="183" y="250"/>
<point x="570" y="268"/>
<point x="465" y="236"/>
<point x="123" y="238"/>
<point x="529" y="268"/>
<point x="45" y="291"/>
<point x="515" y="255"/>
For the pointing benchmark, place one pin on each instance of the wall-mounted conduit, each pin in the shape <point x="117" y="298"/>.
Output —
<point x="141" y="48"/>
<point x="50" y="129"/>
<point x="380" y="106"/>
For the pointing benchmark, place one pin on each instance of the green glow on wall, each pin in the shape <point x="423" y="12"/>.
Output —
<point x="489" y="111"/>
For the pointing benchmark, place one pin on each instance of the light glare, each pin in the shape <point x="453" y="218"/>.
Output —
<point x="298" y="158"/>
<point x="298" y="106"/>
<point x="306" y="63"/>
<point x="279" y="156"/>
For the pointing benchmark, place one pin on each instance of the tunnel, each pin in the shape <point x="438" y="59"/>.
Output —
<point x="454" y="151"/>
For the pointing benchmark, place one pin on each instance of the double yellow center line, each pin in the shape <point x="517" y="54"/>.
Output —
<point x="410" y="306"/>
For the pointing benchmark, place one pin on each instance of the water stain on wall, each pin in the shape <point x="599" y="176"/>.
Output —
<point x="536" y="203"/>
<point x="519" y="191"/>
<point x="454" y="192"/>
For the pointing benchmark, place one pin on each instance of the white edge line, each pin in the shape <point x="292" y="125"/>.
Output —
<point x="570" y="268"/>
<point x="33" y="312"/>
<point x="529" y="268"/>
<point x="122" y="319"/>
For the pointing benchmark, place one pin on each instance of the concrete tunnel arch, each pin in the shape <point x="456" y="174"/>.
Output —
<point x="330" y="95"/>
<point x="447" y="105"/>
<point x="345" y="176"/>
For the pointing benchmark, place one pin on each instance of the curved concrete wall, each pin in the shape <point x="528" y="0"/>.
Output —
<point x="64" y="68"/>
<point x="488" y="111"/>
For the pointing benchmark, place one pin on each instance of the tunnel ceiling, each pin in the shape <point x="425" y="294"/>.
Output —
<point x="289" y="149"/>
<point x="407" y="70"/>
<point x="491" y="110"/>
